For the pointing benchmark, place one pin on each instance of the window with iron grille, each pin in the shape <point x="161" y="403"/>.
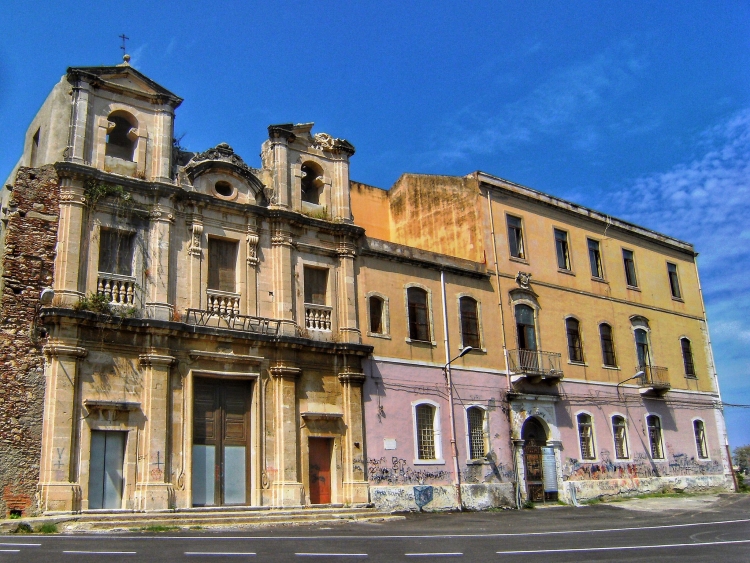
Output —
<point x="419" y="318"/>
<point x="116" y="252"/>
<point x="222" y="262"/>
<point x="376" y="315"/>
<point x="654" y="436"/>
<point x="700" y="439"/>
<point x="515" y="237"/>
<point x="586" y="436"/>
<point x="561" y="246"/>
<point x="608" y="345"/>
<point x="476" y="433"/>
<point x="469" y="322"/>
<point x="687" y="357"/>
<point x="425" y="432"/>
<point x="674" y="281"/>
<point x="595" y="257"/>
<point x="628" y="259"/>
<point x="620" y="432"/>
<point x="575" y="347"/>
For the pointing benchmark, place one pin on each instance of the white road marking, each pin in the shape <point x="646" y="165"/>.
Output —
<point x="20" y="544"/>
<point x="331" y="554"/>
<point x="433" y="554"/>
<point x="10" y="550"/>
<point x="609" y="548"/>
<point x="218" y="553"/>
<point x="100" y="552"/>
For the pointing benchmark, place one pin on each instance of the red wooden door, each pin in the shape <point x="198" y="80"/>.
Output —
<point x="320" y="470"/>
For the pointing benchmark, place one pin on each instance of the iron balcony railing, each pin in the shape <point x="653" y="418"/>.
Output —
<point x="535" y="364"/>
<point x="234" y="321"/>
<point x="654" y="377"/>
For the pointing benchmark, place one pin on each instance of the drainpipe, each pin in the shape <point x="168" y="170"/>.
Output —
<point x="449" y="383"/>
<point x="505" y="345"/>
<point x="718" y="414"/>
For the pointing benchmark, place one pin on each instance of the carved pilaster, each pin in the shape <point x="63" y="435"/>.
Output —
<point x="286" y="488"/>
<point x="196" y="230"/>
<point x="252" y="239"/>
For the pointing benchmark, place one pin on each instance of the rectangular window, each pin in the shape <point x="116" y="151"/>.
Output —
<point x="316" y="283"/>
<point x="116" y="252"/>
<point x="608" y="345"/>
<point x="674" y="282"/>
<point x="619" y="429"/>
<point x="629" y="262"/>
<point x="376" y="315"/>
<point x="700" y="439"/>
<point x="419" y="316"/>
<point x="222" y="262"/>
<point x="654" y="436"/>
<point x="595" y="258"/>
<point x="469" y="322"/>
<point x="476" y="432"/>
<point x="586" y="435"/>
<point x="515" y="237"/>
<point x="687" y="357"/>
<point x="425" y="432"/>
<point x="561" y="246"/>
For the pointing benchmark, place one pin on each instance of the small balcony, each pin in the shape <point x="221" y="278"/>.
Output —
<point x="654" y="381"/>
<point x="318" y="317"/>
<point x="120" y="290"/>
<point x="535" y="366"/>
<point x="222" y="302"/>
<point x="234" y="321"/>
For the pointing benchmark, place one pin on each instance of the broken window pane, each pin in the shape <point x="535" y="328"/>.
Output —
<point x="116" y="252"/>
<point x="561" y="246"/>
<point x="515" y="237"/>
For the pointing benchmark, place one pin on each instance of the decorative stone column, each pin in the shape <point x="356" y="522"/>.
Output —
<point x="251" y="299"/>
<point x="58" y="476"/>
<point x="153" y="491"/>
<point x="279" y="138"/>
<point x="281" y="256"/>
<point x="70" y="264"/>
<point x="286" y="489"/>
<point x="195" y="253"/>
<point x="79" y="116"/>
<point x="347" y="294"/>
<point x="161" y="143"/>
<point x="157" y="305"/>
<point x="355" y="486"/>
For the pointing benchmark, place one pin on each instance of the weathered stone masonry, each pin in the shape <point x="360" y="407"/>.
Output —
<point x="27" y="266"/>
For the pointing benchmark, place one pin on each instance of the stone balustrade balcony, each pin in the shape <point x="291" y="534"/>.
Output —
<point x="318" y="317"/>
<point x="222" y="302"/>
<point x="120" y="290"/>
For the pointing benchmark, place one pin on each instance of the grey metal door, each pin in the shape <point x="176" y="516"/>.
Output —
<point x="106" y="469"/>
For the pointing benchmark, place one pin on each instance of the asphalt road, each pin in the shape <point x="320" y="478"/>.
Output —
<point x="717" y="532"/>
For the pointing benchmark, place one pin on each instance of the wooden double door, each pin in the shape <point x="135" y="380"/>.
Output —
<point x="221" y="442"/>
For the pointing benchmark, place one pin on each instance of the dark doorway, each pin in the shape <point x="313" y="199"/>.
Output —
<point x="320" y="470"/>
<point x="534" y="437"/>
<point x="221" y="442"/>
<point x="106" y="468"/>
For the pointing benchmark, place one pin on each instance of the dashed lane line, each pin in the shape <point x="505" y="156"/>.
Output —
<point x="9" y="544"/>
<point x="220" y="553"/>
<point x="100" y="552"/>
<point x="434" y="554"/>
<point x="611" y="548"/>
<point x="331" y="554"/>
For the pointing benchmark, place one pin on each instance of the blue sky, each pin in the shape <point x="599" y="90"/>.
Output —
<point x="641" y="109"/>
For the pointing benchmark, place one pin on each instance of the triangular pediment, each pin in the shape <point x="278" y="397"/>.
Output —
<point x="126" y="79"/>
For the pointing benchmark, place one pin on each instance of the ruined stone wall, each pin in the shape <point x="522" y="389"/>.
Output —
<point x="28" y="261"/>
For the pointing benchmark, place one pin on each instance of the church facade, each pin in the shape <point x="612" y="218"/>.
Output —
<point x="218" y="334"/>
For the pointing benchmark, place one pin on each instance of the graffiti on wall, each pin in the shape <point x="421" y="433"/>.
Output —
<point x="398" y="472"/>
<point x="490" y="472"/>
<point x="641" y="466"/>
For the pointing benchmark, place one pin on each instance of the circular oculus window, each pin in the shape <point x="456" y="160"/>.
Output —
<point x="224" y="189"/>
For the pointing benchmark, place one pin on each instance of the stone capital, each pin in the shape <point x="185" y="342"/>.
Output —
<point x="153" y="360"/>
<point x="285" y="372"/>
<point x="63" y="351"/>
<point x="352" y="378"/>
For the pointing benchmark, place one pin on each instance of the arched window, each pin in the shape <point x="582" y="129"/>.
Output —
<point x="700" y="439"/>
<point x="654" y="436"/>
<point x="425" y="431"/>
<point x="120" y="139"/>
<point x="312" y="183"/>
<point x="525" y="329"/>
<point x="575" y="347"/>
<point x="377" y="326"/>
<point x="608" y="345"/>
<point x="419" y="315"/>
<point x="477" y="436"/>
<point x="641" y="347"/>
<point x="687" y="357"/>
<point x="586" y="436"/>
<point x="469" y="322"/>
<point x="620" y="433"/>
